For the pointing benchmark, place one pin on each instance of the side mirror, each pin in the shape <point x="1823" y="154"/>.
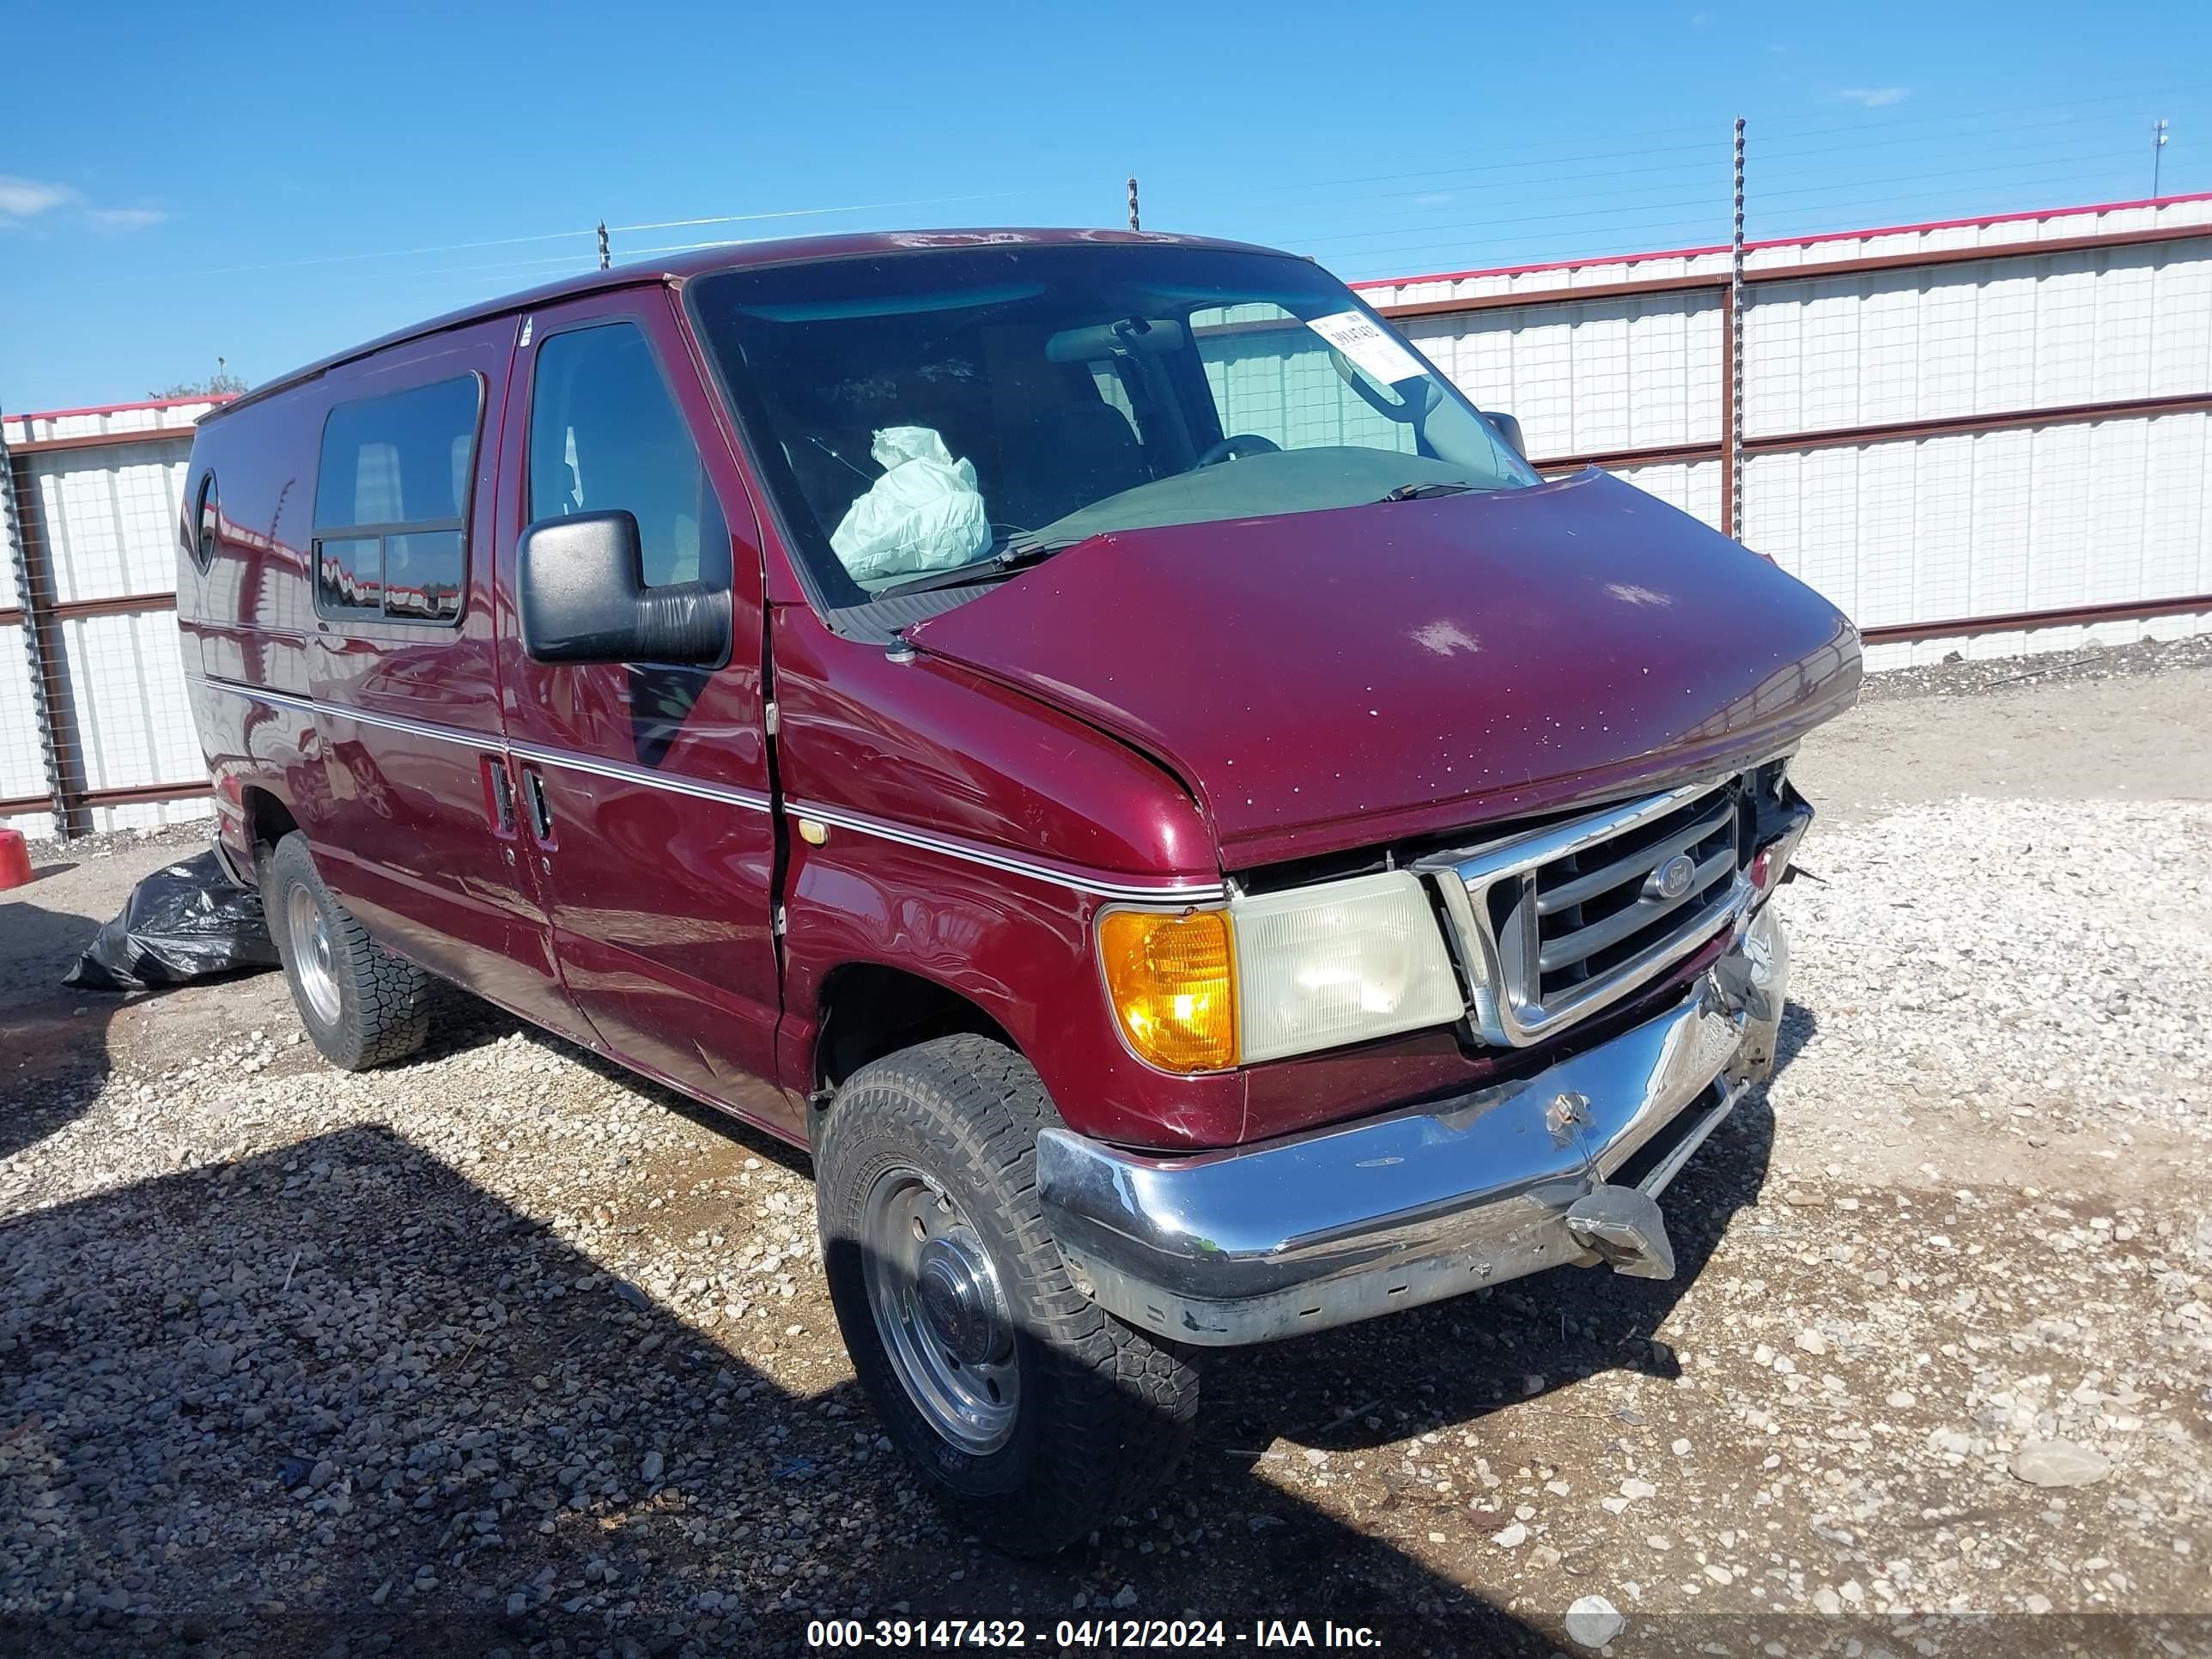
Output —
<point x="1508" y="428"/>
<point x="580" y="592"/>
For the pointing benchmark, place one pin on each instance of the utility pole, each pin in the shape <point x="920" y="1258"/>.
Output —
<point x="605" y="258"/>
<point x="2157" y="153"/>
<point x="1133" y="225"/>
<point x="1736" y="351"/>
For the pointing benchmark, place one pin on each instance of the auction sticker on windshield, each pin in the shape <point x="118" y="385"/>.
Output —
<point x="1369" y="344"/>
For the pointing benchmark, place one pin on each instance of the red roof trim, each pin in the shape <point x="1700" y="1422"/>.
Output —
<point x="119" y="408"/>
<point x="1788" y="241"/>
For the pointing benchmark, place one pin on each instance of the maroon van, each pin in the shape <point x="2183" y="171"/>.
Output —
<point x="1086" y="731"/>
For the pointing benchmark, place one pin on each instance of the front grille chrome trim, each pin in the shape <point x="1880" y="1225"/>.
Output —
<point x="1492" y="897"/>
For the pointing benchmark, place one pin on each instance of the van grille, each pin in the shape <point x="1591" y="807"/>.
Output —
<point x="1558" y="924"/>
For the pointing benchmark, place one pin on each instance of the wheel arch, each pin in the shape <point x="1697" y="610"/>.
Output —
<point x="868" y="1009"/>
<point x="268" y="821"/>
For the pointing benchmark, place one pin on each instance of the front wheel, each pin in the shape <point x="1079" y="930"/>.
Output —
<point x="1035" y="1416"/>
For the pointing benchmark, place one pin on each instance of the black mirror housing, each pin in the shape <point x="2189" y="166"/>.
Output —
<point x="580" y="593"/>
<point x="1508" y="428"/>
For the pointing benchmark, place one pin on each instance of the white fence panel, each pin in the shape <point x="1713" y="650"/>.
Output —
<point x="1588" y="377"/>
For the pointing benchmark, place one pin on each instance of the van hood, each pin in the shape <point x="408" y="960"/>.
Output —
<point x="1327" y="680"/>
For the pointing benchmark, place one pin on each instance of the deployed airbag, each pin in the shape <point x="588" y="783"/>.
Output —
<point x="924" y="513"/>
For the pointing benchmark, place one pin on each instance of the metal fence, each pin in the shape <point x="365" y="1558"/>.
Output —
<point x="95" y="732"/>
<point x="1990" y="436"/>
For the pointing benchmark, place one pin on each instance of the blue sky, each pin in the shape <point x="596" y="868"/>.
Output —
<point x="267" y="184"/>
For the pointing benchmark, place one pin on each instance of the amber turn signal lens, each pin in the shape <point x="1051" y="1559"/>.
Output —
<point x="1168" y="979"/>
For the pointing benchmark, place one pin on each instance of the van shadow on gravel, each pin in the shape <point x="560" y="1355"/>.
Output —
<point x="53" y="1059"/>
<point x="338" y="1399"/>
<point x="462" y="1022"/>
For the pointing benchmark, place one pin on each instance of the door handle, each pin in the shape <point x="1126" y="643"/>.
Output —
<point x="541" y="811"/>
<point x="499" y="793"/>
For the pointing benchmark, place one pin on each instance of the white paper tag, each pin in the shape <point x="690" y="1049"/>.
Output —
<point x="1369" y="344"/>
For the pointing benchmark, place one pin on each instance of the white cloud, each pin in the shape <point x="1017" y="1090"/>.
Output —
<point x="23" y="198"/>
<point x="1873" y="97"/>
<point x="126" y="218"/>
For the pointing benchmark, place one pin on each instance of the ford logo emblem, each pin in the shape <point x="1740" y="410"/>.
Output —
<point x="1672" y="879"/>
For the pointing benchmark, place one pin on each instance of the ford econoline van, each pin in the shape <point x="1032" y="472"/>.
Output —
<point x="1087" y="731"/>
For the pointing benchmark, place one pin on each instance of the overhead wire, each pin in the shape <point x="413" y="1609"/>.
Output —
<point x="1776" y="146"/>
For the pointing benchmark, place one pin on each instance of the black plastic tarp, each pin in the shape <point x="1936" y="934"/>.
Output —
<point x="186" y="922"/>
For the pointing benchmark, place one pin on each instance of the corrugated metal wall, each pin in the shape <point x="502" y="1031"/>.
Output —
<point x="97" y="495"/>
<point x="2013" y="477"/>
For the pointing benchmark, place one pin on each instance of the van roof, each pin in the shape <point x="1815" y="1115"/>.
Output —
<point x="787" y="250"/>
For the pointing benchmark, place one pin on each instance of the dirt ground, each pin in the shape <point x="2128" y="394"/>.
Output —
<point x="2132" y="724"/>
<point x="498" y="1351"/>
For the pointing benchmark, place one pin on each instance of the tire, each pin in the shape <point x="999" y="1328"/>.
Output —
<point x="363" y="1006"/>
<point x="1100" y="1412"/>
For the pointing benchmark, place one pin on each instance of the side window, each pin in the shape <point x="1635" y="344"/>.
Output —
<point x="207" y="513"/>
<point x="606" y="435"/>
<point x="391" y="502"/>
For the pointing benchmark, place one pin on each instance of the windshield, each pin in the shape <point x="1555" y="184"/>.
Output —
<point x="930" y="418"/>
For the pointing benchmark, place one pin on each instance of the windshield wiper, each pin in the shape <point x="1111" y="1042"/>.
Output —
<point x="1421" y="492"/>
<point x="997" y="568"/>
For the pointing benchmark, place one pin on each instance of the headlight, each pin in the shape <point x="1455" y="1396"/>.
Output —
<point x="1287" y="974"/>
<point x="1340" y="964"/>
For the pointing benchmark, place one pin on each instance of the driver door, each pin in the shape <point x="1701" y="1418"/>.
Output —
<point x="646" y="793"/>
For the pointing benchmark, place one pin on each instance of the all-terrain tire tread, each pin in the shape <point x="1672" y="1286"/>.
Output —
<point x="384" y="1011"/>
<point x="1121" y="1404"/>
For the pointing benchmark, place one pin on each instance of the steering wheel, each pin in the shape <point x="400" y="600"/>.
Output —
<point x="1238" y="446"/>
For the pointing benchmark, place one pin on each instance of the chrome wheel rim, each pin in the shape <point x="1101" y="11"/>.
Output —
<point x="310" y="955"/>
<point x="941" y="1311"/>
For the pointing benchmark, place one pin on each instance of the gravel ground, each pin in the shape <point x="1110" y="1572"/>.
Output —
<point x="501" y="1350"/>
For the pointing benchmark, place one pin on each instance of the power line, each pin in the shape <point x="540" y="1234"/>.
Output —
<point x="815" y="213"/>
<point x="2036" y="117"/>
<point x="1639" y="195"/>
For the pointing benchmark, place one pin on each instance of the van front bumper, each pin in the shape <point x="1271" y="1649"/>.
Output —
<point x="1256" y="1242"/>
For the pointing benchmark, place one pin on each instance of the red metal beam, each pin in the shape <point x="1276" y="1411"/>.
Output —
<point x="2067" y="617"/>
<point x="1729" y="455"/>
<point x="1653" y="455"/>
<point x="1865" y="233"/>
<point x="1804" y="273"/>
<point x="1446" y="307"/>
<point x="100" y="440"/>
<point x="128" y="795"/>
<point x="121" y="604"/>
<point x="218" y="398"/>
<point x="1948" y="425"/>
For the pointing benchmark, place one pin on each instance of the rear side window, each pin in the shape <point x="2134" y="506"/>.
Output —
<point x="391" y="502"/>
<point x="605" y="435"/>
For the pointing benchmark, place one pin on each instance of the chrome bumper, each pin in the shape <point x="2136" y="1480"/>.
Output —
<point x="1246" y="1245"/>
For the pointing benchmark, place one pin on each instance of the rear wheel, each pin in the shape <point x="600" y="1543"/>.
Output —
<point x="361" y="1006"/>
<point x="1035" y="1416"/>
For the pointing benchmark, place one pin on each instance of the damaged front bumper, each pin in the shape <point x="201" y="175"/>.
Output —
<point x="1247" y="1245"/>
